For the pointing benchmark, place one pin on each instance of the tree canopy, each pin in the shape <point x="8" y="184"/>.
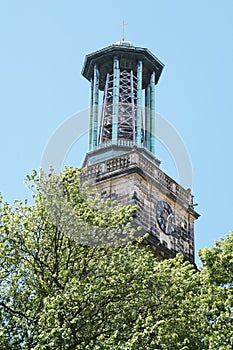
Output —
<point x="74" y="274"/>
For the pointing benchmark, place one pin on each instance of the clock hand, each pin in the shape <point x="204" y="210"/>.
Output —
<point x="167" y="223"/>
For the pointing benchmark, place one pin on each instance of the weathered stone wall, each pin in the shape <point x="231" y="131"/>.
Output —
<point x="133" y="178"/>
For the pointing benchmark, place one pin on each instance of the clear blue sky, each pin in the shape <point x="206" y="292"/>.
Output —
<point x="43" y="44"/>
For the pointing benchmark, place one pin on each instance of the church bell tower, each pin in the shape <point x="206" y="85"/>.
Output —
<point x="121" y="160"/>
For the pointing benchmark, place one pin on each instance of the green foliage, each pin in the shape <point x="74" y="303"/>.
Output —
<point x="74" y="275"/>
<point x="217" y="275"/>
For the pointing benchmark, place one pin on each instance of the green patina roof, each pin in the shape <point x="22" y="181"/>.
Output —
<point x="128" y="56"/>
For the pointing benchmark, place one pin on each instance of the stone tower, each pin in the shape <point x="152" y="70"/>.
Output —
<point x="121" y="159"/>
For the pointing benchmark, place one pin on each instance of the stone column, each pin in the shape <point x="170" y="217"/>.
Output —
<point x="152" y="113"/>
<point x="147" y="117"/>
<point x="115" y="101"/>
<point x="90" y="139"/>
<point x="139" y="105"/>
<point x="95" y="107"/>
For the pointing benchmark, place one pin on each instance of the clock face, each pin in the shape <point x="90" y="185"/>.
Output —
<point x="165" y="218"/>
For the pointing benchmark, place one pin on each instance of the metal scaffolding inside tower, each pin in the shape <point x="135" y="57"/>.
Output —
<point x="126" y="108"/>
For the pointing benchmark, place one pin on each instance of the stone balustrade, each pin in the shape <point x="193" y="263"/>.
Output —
<point x="135" y="159"/>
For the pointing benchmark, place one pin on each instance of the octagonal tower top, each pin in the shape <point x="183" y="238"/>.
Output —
<point x="128" y="55"/>
<point x="125" y="76"/>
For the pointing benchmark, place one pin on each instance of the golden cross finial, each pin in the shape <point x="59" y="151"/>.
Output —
<point x="123" y="30"/>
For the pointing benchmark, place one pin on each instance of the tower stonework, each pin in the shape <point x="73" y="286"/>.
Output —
<point x="121" y="161"/>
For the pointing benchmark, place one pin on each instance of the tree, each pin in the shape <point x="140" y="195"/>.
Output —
<point x="217" y="294"/>
<point x="74" y="275"/>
